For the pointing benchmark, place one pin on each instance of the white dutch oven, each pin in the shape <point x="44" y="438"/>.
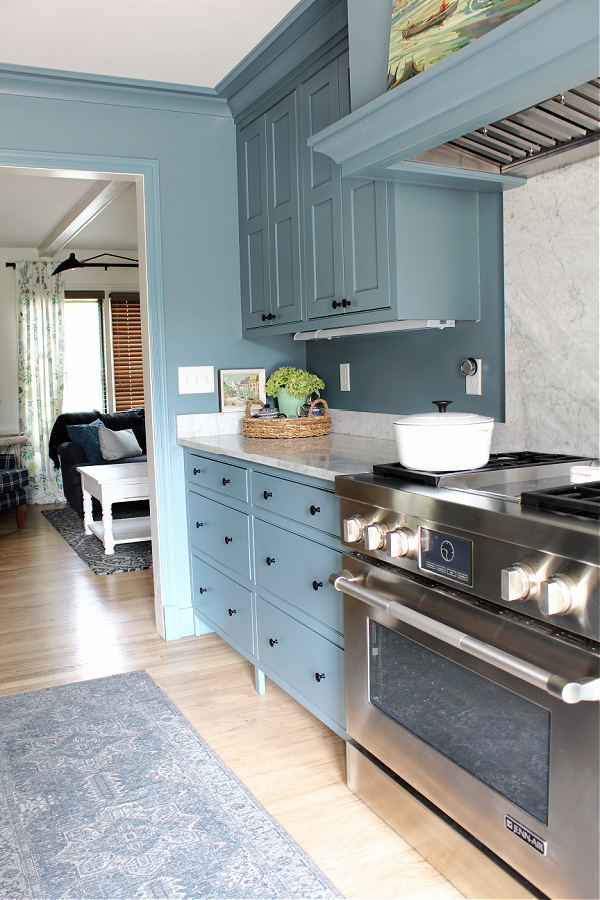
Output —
<point x="443" y="441"/>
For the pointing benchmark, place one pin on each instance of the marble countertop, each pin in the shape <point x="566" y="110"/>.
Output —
<point x="320" y="457"/>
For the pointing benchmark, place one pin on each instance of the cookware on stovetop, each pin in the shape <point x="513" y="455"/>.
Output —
<point x="443" y="441"/>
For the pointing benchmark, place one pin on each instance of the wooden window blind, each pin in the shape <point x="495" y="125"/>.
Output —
<point x="126" y="328"/>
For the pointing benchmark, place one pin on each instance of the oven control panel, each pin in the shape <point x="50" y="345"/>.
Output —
<point x="446" y="555"/>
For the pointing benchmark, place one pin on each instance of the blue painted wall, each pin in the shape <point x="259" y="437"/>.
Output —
<point x="193" y="141"/>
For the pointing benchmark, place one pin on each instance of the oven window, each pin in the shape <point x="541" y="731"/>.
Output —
<point x="499" y="737"/>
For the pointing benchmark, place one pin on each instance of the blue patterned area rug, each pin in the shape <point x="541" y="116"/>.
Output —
<point x="89" y="548"/>
<point x="106" y="791"/>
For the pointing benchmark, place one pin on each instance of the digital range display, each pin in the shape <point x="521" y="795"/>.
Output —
<point x="446" y="555"/>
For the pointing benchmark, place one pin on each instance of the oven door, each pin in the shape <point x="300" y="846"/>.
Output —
<point x="490" y="741"/>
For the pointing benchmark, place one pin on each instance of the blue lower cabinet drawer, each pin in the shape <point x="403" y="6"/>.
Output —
<point x="300" y="502"/>
<point x="297" y="570"/>
<point x="305" y="660"/>
<point x="220" y="531"/>
<point x="222" y="602"/>
<point x="217" y="476"/>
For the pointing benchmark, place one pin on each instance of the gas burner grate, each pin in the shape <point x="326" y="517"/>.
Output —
<point x="576" y="499"/>
<point x="497" y="461"/>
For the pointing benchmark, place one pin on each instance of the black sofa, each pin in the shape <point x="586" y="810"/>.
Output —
<point x="67" y="455"/>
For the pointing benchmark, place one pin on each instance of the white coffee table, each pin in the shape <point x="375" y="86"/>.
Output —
<point x="115" y="484"/>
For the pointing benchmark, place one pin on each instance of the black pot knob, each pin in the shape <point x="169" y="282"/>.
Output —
<point x="442" y="404"/>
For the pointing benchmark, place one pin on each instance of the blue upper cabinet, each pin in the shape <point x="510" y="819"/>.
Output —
<point x="270" y="218"/>
<point x="345" y="224"/>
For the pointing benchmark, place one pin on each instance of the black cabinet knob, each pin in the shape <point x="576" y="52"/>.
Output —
<point x="268" y="318"/>
<point x="314" y="510"/>
<point x="317" y="585"/>
<point x="228" y="540"/>
<point x="336" y="304"/>
<point x="270" y="560"/>
<point x="202" y="590"/>
<point x="267" y="494"/>
<point x="199" y="524"/>
<point x="226" y="481"/>
<point x="319" y="677"/>
<point x="197" y="471"/>
<point x="345" y="303"/>
<point x="232" y="612"/>
<point x="273" y="641"/>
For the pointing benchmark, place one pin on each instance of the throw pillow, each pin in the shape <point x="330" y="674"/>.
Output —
<point x="118" y="444"/>
<point x="87" y="437"/>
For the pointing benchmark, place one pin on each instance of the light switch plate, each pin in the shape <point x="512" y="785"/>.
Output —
<point x="196" y="379"/>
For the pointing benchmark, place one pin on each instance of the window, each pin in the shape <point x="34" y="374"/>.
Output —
<point x="85" y="381"/>
<point x="126" y="329"/>
<point x="103" y="351"/>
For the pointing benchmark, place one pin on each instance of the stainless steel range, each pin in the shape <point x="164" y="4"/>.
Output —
<point x="472" y="677"/>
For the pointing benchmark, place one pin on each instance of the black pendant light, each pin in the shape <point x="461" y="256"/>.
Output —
<point x="73" y="263"/>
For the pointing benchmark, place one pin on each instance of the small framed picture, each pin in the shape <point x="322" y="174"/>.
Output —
<point x="238" y="386"/>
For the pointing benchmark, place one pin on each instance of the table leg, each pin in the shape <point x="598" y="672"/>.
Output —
<point x="107" y="521"/>
<point x="87" y="511"/>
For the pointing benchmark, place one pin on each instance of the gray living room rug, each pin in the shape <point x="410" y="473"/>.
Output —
<point x="126" y="558"/>
<point x="106" y="791"/>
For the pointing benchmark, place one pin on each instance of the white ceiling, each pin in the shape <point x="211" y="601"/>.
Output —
<point x="195" y="42"/>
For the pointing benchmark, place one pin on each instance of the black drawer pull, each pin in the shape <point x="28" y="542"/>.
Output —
<point x="197" y="471"/>
<point x="232" y="612"/>
<point x="202" y="590"/>
<point x="270" y="560"/>
<point x="273" y="641"/>
<point x="317" y="585"/>
<point x="226" y="481"/>
<point x="314" y="510"/>
<point x="267" y="494"/>
<point x="199" y="524"/>
<point x="319" y="677"/>
<point x="228" y="540"/>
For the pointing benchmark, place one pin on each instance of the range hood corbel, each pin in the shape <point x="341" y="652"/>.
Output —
<point x="375" y="328"/>
<point x="540" y="54"/>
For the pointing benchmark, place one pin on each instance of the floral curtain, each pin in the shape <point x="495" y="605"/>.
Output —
<point x="41" y="373"/>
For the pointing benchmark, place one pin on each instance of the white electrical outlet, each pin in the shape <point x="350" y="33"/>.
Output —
<point x="196" y="379"/>
<point x="344" y="376"/>
<point x="473" y="382"/>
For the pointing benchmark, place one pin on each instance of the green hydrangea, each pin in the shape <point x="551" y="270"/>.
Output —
<point x="298" y="383"/>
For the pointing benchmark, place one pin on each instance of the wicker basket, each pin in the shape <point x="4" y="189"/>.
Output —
<point x="301" y="427"/>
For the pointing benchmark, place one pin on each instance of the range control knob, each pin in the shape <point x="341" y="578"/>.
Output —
<point x="353" y="529"/>
<point x="557" y="595"/>
<point x="374" y="536"/>
<point x="402" y="542"/>
<point x="517" y="583"/>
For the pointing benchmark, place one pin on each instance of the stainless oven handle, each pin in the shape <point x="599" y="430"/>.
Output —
<point x="569" y="691"/>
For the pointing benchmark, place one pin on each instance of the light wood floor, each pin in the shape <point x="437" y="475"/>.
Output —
<point x="60" y="623"/>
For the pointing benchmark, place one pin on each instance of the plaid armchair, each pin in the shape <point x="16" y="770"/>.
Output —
<point x="13" y="482"/>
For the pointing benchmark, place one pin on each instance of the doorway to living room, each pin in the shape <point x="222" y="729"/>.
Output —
<point x="143" y="175"/>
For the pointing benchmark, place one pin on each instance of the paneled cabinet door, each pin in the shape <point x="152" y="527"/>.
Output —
<point x="254" y="224"/>
<point x="345" y="221"/>
<point x="322" y="194"/>
<point x="284" y="212"/>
